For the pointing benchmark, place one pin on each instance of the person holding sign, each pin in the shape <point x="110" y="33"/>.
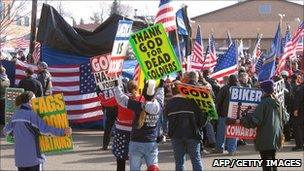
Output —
<point x="26" y="125"/>
<point x="144" y="126"/>
<point x="269" y="119"/>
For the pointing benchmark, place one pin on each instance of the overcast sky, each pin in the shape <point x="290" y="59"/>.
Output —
<point x="85" y="9"/>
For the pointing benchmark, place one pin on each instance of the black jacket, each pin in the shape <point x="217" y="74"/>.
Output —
<point x="31" y="84"/>
<point x="299" y="103"/>
<point x="182" y="114"/>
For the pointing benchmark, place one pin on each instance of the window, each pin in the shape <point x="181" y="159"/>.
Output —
<point x="18" y="20"/>
<point x="27" y="21"/>
<point x="265" y="9"/>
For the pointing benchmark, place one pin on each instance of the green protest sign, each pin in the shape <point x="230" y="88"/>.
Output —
<point x="154" y="52"/>
<point x="10" y="108"/>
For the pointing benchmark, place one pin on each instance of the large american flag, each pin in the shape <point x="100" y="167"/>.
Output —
<point x="197" y="59"/>
<point x="226" y="65"/>
<point x="78" y="87"/>
<point x="298" y="38"/>
<point x="166" y="15"/>
<point x="211" y="57"/>
<point x="22" y="42"/>
<point x="288" y="52"/>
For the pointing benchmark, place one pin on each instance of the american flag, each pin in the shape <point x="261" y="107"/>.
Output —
<point x="22" y="42"/>
<point x="288" y="52"/>
<point x="211" y="58"/>
<point x="259" y="64"/>
<point x="257" y="49"/>
<point x="36" y="53"/>
<point x="166" y="15"/>
<point x="78" y="87"/>
<point x="136" y="72"/>
<point x="298" y="38"/>
<point x="197" y="56"/>
<point x="226" y="65"/>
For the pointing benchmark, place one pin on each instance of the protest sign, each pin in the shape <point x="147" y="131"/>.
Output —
<point x="279" y="88"/>
<point x="202" y="97"/>
<point x="154" y="52"/>
<point x="120" y="47"/>
<point x="10" y="107"/>
<point x="100" y="67"/>
<point x="242" y="101"/>
<point x="52" y="110"/>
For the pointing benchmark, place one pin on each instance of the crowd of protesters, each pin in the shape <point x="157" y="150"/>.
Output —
<point x="139" y="121"/>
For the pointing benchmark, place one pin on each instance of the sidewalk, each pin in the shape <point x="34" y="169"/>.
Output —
<point x="87" y="155"/>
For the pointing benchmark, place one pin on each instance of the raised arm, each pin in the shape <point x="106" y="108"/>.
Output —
<point x="120" y="97"/>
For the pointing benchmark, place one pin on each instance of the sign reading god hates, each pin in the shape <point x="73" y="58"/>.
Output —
<point x="100" y="67"/>
<point x="120" y="47"/>
<point x="52" y="110"/>
<point x="154" y="52"/>
<point x="243" y="101"/>
<point x="202" y="97"/>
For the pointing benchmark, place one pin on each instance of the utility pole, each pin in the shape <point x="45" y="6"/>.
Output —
<point x="33" y="30"/>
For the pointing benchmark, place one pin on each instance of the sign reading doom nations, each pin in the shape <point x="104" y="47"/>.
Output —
<point x="100" y="67"/>
<point x="243" y="101"/>
<point x="202" y="97"/>
<point x="52" y="110"/>
<point x="154" y="52"/>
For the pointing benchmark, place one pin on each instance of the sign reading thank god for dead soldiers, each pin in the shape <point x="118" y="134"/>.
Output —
<point x="154" y="52"/>
<point x="52" y="110"/>
<point x="10" y="107"/>
<point x="202" y="97"/>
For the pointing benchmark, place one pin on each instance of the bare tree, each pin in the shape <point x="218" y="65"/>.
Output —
<point x="10" y="12"/>
<point x="121" y="9"/>
<point x="62" y="10"/>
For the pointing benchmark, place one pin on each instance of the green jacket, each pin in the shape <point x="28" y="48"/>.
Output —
<point x="266" y="118"/>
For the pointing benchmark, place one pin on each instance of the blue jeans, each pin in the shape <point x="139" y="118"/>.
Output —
<point x="192" y="146"/>
<point x="210" y="133"/>
<point x="139" y="150"/>
<point x="220" y="137"/>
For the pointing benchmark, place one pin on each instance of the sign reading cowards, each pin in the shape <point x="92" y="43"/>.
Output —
<point x="243" y="101"/>
<point x="154" y="52"/>
<point x="100" y="66"/>
<point x="202" y="97"/>
<point x="52" y="110"/>
<point x="120" y="47"/>
<point x="10" y="108"/>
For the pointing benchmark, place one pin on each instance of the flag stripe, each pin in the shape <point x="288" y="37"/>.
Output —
<point x="166" y="15"/>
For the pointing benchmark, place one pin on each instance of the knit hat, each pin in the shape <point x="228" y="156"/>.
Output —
<point x="149" y="89"/>
<point x="193" y="76"/>
<point x="267" y="86"/>
<point x="43" y="65"/>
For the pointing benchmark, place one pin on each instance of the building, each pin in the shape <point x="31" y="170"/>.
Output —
<point x="247" y="18"/>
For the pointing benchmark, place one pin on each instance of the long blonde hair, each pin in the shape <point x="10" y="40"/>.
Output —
<point x="141" y="119"/>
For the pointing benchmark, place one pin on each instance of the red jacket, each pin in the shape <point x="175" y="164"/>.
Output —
<point x="125" y="116"/>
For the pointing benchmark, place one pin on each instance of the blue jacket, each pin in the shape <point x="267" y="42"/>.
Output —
<point x="23" y="124"/>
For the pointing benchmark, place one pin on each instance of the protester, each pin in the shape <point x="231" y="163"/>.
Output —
<point x="222" y="104"/>
<point x="186" y="121"/>
<point x="298" y="115"/>
<point x="30" y="84"/>
<point x="268" y="118"/>
<point x="45" y="78"/>
<point x="21" y="55"/>
<point x="123" y="125"/>
<point x="4" y="83"/>
<point x="25" y="126"/>
<point x="214" y="84"/>
<point x="144" y="131"/>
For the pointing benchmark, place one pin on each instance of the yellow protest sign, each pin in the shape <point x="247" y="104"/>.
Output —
<point x="202" y="97"/>
<point x="154" y="52"/>
<point x="52" y="110"/>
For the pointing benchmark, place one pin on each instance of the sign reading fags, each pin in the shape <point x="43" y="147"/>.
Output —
<point x="243" y="101"/>
<point x="100" y="67"/>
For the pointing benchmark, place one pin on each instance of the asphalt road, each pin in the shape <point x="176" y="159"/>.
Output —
<point x="87" y="155"/>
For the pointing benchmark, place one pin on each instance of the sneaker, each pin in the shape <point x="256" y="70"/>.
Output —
<point x="218" y="151"/>
<point x="232" y="153"/>
<point x="204" y="152"/>
<point x="297" y="149"/>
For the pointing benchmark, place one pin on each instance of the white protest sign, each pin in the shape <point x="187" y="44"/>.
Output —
<point x="243" y="101"/>
<point x="120" y="47"/>
<point x="100" y="66"/>
<point x="279" y="88"/>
